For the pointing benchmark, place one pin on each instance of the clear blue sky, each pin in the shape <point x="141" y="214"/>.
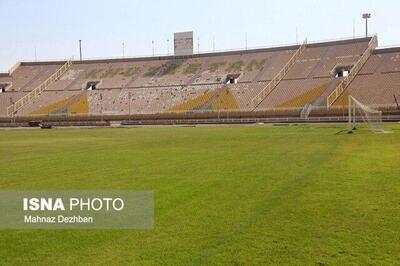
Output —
<point x="54" y="26"/>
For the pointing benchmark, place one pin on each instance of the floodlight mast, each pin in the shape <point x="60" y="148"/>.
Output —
<point x="366" y="16"/>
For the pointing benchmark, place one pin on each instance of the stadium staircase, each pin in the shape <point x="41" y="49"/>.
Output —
<point x="339" y="90"/>
<point x="35" y="93"/>
<point x="321" y="100"/>
<point x="256" y="101"/>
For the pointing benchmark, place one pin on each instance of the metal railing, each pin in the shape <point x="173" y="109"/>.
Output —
<point x="305" y="112"/>
<point x="255" y="102"/>
<point x="35" y="93"/>
<point x="298" y="110"/>
<point x="338" y="91"/>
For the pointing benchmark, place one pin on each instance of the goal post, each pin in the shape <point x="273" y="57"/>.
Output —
<point x="362" y="114"/>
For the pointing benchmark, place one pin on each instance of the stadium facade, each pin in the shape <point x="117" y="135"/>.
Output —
<point x="297" y="81"/>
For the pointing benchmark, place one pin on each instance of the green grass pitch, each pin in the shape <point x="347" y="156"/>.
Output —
<point x="239" y="195"/>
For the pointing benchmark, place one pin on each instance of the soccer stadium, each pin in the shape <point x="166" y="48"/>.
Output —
<point x="307" y="82"/>
<point x="274" y="155"/>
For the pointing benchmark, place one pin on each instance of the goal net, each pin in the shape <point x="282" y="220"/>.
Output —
<point x="361" y="114"/>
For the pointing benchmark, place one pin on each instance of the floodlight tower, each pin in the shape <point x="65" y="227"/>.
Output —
<point x="366" y="16"/>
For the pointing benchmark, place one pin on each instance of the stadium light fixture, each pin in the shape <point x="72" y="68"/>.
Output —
<point x="366" y="16"/>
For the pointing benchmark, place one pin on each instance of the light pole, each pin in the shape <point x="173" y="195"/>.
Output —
<point x="366" y="16"/>
<point x="101" y="105"/>
<point x="80" y="50"/>
<point x="213" y="43"/>
<point x="12" y="104"/>
<point x="123" y="50"/>
<point x="167" y="46"/>
<point x="152" y="43"/>
<point x="130" y="101"/>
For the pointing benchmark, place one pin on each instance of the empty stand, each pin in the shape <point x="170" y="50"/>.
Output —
<point x="294" y="93"/>
<point x="28" y="98"/>
<point x="354" y="71"/>
<point x="256" y="101"/>
<point x="373" y="89"/>
<point x="280" y="78"/>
